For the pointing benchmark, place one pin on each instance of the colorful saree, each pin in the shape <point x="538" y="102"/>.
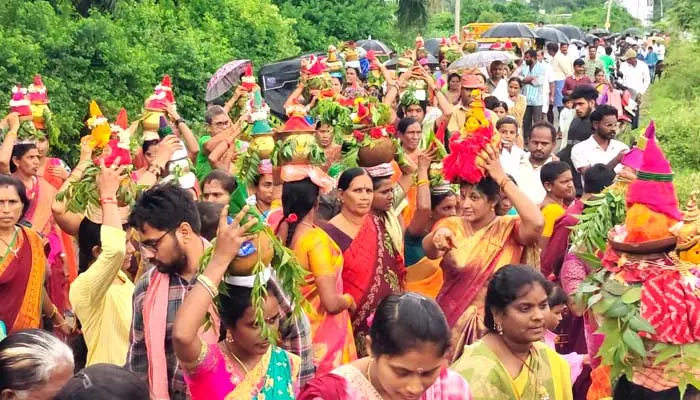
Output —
<point x="545" y="377"/>
<point x="349" y="383"/>
<point x="41" y="197"/>
<point x="333" y="343"/>
<point x="372" y="270"/>
<point x="467" y="269"/>
<point x="21" y="282"/>
<point x="219" y="378"/>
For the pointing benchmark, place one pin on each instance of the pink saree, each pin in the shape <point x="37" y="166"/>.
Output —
<point x="217" y="377"/>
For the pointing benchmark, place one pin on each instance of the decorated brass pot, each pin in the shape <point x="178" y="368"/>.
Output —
<point x="151" y="121"/>
<point x="263" y="144"/>
<point x="243" y="266"/>
<point x="300" y="144"/>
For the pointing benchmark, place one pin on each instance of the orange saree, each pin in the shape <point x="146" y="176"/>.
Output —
<point x="467" y="269"/>
<point x="21" y="282"/>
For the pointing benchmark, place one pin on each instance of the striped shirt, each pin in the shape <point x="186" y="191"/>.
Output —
<point x="295" y="334"/>
<point x="533" y="90"/>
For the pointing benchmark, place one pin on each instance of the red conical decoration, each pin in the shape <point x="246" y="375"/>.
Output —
<point x="248" y="79"/>
<point x="654" y="185"/>
<point x="37" y="91"/>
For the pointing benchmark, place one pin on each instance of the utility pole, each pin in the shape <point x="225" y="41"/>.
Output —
<point x="607" y="18"/>
<point x="458" y="6"/>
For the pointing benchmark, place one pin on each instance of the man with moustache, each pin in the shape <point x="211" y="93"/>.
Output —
<point x="584" y="98"/>
<point x="168" y="223"/>
<point x="542" y="139"/>
<point x="601" y="147"/>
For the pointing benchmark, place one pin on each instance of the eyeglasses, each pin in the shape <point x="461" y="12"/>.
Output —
<point x="152" y="245"/>
<point x="222" y="124"/>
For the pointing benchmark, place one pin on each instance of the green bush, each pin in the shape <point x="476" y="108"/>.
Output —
<point x="673" y="103"/>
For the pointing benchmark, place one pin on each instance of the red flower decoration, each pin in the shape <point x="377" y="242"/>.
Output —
<point x="376" y="133"/>
<point x="391" y="130"/>
<point x="460" y="164"/>
<point x="358" y="135"/>
<point x="292" y="218"/>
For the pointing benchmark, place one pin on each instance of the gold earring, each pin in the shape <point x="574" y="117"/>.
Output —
<point x="499" y="328"/>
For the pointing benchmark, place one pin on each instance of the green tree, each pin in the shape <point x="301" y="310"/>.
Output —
<point x="620" y="19"/>
<point x="318" y="23"/>
<point x="412" y="13"/>
<point x="686" y="15"/>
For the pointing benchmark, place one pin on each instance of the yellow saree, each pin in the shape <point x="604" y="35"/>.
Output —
<point x="467" y="269"/>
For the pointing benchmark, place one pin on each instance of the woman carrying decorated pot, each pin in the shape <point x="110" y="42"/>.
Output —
<point x="243" y="364"/>
<point x="478" y="243"/>
<point x="333" y="342"/>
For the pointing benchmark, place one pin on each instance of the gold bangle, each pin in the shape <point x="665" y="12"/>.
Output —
<point x="348" y="299"/>
<point x="503" y="183"/>
<point x="422" y="182"/>
<point x="54" y="311"/>
<point x="208" y="284"/>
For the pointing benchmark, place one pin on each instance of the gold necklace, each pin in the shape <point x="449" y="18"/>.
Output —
<point x="238" y="360"/>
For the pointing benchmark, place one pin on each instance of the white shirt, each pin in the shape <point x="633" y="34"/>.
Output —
<point x="510" y="160"/>
<point x="589" y="153"/>
<point x="562" y="66"/>
<point x="548" y="78"/>
<point x="660" y="50"/>
<point x="529" y="181"/>
<point x="635" y="78"/>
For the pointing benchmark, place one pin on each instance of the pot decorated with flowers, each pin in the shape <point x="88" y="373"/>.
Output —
<point x="296" y="140"/>
<point x="373" y="140"/>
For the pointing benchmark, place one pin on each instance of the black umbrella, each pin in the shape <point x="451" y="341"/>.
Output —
<point x="600" y="32"/>
<point x="432" y="46"/>
<point x="379" y="48"/>
<point x="432" y="61"/>
<point x="509" y="30"/>
<point x="279" y="79"/>
<point x="572" y="32"/>
<point x="551" y="35"/>
<point x="591" y="39"/>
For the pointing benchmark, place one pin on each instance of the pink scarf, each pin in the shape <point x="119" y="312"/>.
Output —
<point x="155" y="312"/>
<point x="155" y="316"/>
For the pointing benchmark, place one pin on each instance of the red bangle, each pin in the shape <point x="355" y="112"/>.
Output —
<point x="108" y="200"/>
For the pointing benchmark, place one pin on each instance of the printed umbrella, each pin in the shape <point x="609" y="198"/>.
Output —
<point x="551" y="35"/>
<point x="225" y="78"/>
<point x="572" y="32"/>
<point x="509" y="30"/>
<point x="481" y="59"/>
<point x="379" y="48"/>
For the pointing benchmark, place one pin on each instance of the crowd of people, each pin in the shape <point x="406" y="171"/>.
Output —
<point x="413" y="287"/>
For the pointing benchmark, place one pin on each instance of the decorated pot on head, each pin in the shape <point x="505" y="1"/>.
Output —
<point x="39" y="100"/>
<point x="374" y="138"/>
<point x="465" y="161"/>
<point x="262" y="137"/>
<point x="249" y="85"/>
<point x="296" y="140"/>
<point x="156" y="106"/>
<point x="315" y="70"/>
<point x="375" y="78"/>
<point x="179" y="167"/>
<point x="259" y="250"/>
<point x="404" y="63"/>
<point x="100" y="131"/>
<point x="20" y="104"/>
<point x="334" y="64"/>
<point x="420" y="48"/>
<point x="351" y="55"/>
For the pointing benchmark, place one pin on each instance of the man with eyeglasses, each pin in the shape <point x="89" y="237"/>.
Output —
<point x="601" y="147"/>
<point x="220" y="141"/>
<point x="169" y="225"/>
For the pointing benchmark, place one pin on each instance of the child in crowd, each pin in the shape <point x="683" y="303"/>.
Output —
<point x="511" y="153"/>
<point x="557" y="306"/>
<point x="566" y="116"/>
